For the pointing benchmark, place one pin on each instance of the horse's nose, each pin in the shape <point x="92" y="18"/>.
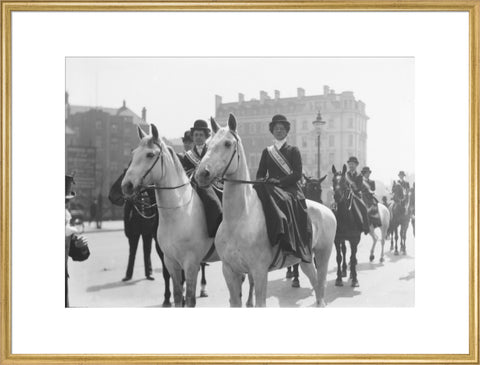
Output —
<point x="206" y="172"/>
<point x="127" y="188"/>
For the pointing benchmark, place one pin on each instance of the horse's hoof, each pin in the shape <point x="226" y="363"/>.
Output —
<point x="289" y="275"/>
<point x="321" y="304"/>
<point x="295" y="283"/>
<point x="166" y="304"/>
<point x="382" y="259"/>
<point x="404" y="252"/>
<point x="249" y="305"/>
<point x="339" y="282"/>
<point x="355" y="283"/>
<point x="396" y="253"/>
<point x="372" y="257"/>
<point x="203" y="294"/>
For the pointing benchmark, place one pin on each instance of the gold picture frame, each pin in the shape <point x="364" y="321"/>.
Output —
<point x="7" y="7"/>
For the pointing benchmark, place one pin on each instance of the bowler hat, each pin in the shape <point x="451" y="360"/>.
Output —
<point x="402" y="173"/>
<point x="187" y="137"/>
<point x="366" y="169"/>
<point x="69" y="194"/>
<point x="279" y="118"/>
<point x="353" y="159"/>
<point x="200" y="125"/>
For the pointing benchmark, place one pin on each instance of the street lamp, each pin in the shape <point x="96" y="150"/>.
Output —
<point x="317" y="124"/>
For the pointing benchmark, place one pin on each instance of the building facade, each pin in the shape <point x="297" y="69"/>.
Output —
<point x="343" y="135"/>
<point x="99" y="142"/>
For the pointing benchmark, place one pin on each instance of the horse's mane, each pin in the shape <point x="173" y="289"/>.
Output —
<point x="172" y="158"/>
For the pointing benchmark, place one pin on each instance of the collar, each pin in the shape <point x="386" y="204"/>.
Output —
<point x="279" y="144"/>
<point x="199" y="149"/>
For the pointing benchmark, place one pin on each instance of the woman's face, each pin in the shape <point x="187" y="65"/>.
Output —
<point x="352" y="166"/>
<point x="279" y="131"/>
<point x="199" y="137"/>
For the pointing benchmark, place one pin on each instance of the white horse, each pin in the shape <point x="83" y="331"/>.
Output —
<point x="242" y="241"/>
<point x="384" y="214"/>
<point x="182" y="229"/>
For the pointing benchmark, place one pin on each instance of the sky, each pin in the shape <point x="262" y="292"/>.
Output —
<point x="177" y="91"/>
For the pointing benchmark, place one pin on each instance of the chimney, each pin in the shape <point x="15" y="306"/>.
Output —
<point x="241" y="98"/>
<point x="124" y="104"/>
<point x="144" y="114"/>
<point x="66" y="97"/>
<point x="277" y="94"/>
<point x="218" y="101"/>
<point x="326" y="89"/>
<point x="263" y="96"/>
<point x="300" y="92"/>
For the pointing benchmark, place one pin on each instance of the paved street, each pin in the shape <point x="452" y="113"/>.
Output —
<point x="97" y="281"/>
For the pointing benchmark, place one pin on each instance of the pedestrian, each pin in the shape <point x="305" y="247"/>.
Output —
<point x="93" y="212"/>
<point x="283" y="201"/>
<point x="99" y="215"/>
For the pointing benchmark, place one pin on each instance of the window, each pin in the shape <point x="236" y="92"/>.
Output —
<point x="304" y="142"/>
<point x="331" y="158"/>
<point x="350" y="140"/>
<point x="304" y="125"/>
<point x="330" y="123"/>
<point x="251" y="128"/>
<point x="331" y="140"/>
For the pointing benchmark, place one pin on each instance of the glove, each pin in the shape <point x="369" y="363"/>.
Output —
<point x="274" y="181"/>
<point x="80" y="241"/>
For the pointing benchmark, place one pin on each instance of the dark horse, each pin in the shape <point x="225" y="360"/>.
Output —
<point x="312" y="189"/>
<point x="348" y="227"/>
<point x="400" y="216"/>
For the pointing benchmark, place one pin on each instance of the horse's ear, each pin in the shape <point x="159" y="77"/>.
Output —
<point x="323" y="178"/>
<point x="232" y="123"/>
<point x="344" y="170"/>
<point x="141" y="133"/>
<point x="214" y="125"/>
<point x="154" y="132"/>
<point x="334" y="170"/>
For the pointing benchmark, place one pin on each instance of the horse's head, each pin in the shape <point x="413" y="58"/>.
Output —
<point x="145" y="157"/>
<point x="339" y="183"/>
<point x="222" y="157"/>
<point x="313" y="188"/>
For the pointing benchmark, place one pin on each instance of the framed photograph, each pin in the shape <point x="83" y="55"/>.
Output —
<point x="260" y="154"/>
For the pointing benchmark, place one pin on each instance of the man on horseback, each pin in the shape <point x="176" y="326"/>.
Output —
<point x="210" y="196"/>
<point x="368" y="195"/>
<point x="355" y="182"/>
<point x="403" y="197"/>
<point x="282" y="198"/>
<point x="187" y="144"/>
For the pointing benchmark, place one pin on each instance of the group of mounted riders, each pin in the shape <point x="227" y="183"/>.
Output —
<point x="278" y="184"/>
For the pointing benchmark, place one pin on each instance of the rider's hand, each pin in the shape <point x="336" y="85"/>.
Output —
<point x="274" y="181"/>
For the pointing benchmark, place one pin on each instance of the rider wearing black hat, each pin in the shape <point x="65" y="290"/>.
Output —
<point x="405" y="186"/>
<point x="282" y="198"/>
<point x="210" y="196"/>
<point x="368" y="194"/>
<point x="355" y="181"/>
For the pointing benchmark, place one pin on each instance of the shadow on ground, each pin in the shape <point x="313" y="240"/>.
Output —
<point x="115" y="284"/>
<point x="409" y="276"/>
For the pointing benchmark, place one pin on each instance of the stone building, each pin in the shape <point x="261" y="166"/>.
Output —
<point x="344" y="133"/>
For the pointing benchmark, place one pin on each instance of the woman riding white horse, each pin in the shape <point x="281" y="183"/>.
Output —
<point x="182" y="229"/>
<point x="242" y="241"/>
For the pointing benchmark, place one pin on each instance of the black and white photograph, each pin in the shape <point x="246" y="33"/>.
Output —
<point x="230" y="182"/>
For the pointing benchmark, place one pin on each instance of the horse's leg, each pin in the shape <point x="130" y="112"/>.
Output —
<point x="289" y="273"/>
<point x="176" y="272"/>
<point x="338" y="249"/>
<point x="250" y="291"/>
<point x="234" y="284"/>
<point x="403" y="236"/>
<point x="308" y="269"/>
<point x="191" y="275"/>
<point x="260" y="277"/>
<point x="383" y="237"/>
<point x="295" y="281"/>
<point x="344" y="264"/>
<point x="203" y="282"/>
<point x="413" y="226"/>
<point x="353" y="261"/>
<point x="322" y="257"/>
<point x="374" y="243"/>
<point x="396" y="241"/>
<point x="166" y="276"/>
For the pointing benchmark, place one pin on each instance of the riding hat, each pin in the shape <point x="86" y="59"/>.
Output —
<point x="366" y="169"/>
<point x="279" y="119"/>
<point x="200" y="125"/>
<point x="402" y="173"/>
<point x="187" y="137"/>
<point x="69" y="193"/>
<point x="353" y="159"/>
